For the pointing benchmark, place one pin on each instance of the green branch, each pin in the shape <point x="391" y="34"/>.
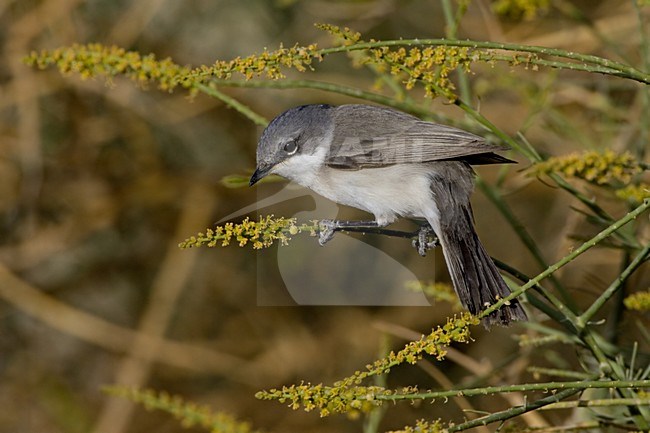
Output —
<point x="558" y="372"/>
<point x="524" y="387"/>
<point x="232" y="102"/>
<point x="584" y="319"/>
<point x="514" y="411"/>
<point x="603" y="402"/>
<point x="497" y="200"/>
<point x="530" y="154"/>
<point x="332" y="88"/>
<point x="452" y="21"/>
<point x="534" y="157"/>
<point x="594" y="63"/>
<point x="567" y="259"/>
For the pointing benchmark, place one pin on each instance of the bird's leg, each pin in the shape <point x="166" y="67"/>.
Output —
<point x="327" y="228"/>
<point x="426" y="239"/>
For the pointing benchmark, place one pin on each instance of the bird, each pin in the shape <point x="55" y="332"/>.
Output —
<point x="394" y="165"/>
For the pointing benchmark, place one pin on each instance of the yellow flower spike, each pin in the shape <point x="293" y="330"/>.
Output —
<point x="93" y="60"/>
<point x="189" y="414"/>
<point x="526" y="10"/>
<point x="349" y="396"/>
<point x="639" y="301"/>
<point x="600" y="168"/>
<point x="431" y="66"/>
<point x="259" y="234"/>
<point x="423" y="426"/>
<point x="635" y="194"/>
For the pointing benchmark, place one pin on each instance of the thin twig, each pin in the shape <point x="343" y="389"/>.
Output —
<point x="451" y="29"/>
<point x="559" y="373"/>
<point x="497" y="200"/>
<point x="234" y="103"/>
<point x="514" y="411"/>
<point x="584" y="319"/>
<point x="570" y="257"/>
<point x="533" y="156"/>
<point x="542" y="386"/>
<point x="333" y="88"/>
<point x="603" y="402"/>
<point x="590" y="62"/>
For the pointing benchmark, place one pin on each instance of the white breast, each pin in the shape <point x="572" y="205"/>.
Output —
<point x="386" y="192"/>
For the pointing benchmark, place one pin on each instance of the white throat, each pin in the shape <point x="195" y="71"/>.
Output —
<point x="303" y="169"/>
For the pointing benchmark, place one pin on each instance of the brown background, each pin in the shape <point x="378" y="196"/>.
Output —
<point x="99" y="183"/>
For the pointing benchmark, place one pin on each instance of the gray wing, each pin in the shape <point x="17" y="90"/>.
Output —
<point x="367" y="136"/>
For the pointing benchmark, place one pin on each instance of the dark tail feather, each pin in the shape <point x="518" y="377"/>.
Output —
<point x="476" y="279"/>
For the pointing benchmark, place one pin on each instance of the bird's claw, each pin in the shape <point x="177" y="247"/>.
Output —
<point x="326" y="231"/>
<point x="425" y="241"/>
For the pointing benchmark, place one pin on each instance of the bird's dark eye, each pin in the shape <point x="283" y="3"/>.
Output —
<point x="290" y="147"/>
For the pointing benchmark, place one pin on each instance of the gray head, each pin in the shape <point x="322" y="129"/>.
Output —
<point x="293" y="138"/>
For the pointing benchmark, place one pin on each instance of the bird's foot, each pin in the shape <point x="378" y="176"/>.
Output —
<point x="426" y="240"/>
<point x="326" y="230"/>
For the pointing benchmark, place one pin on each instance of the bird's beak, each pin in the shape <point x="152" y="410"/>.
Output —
<point x="261" y="171"/>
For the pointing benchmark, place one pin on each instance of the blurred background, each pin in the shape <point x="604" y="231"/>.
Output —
<point x="99" y="182"/>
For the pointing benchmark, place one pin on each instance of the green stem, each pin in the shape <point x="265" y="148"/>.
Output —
<point x="493" y="195"/>
<point x="533" y="156"/>
<point x="642" y="417"/>
<point x="514" y="411"/>
<point x="567" y="259"/>
<point x="618" y="308"/>
<point x="604" y="402"/>
<point x="602" y="65"/>
<point x="453" y="20"/>
<point x="558" y="372"/>
<point x="232" y="102"/>
<point x="452" y="25"/>
<point x="530" y="154"/>
<point x="526" y="61"/>
<point x="330" y="87"/>
<point x="524" y="387"/>
<point x="644" y="124"/>
<point x="584" y="319"/>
